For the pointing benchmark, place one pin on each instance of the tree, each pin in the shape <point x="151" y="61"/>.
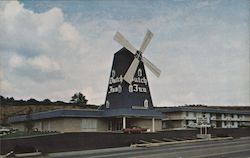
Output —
<point x="32" y="101"/>
<point x="78" y="98"/>
<point x="46" y="101"/>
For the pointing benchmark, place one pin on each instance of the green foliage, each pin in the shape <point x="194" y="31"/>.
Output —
<point x="78" y="98"/>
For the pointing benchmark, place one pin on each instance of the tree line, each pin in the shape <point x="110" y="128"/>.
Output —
<point x="77" y="98"/>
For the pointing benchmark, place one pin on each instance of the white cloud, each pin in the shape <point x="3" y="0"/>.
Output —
<point x="44" y="63"/>
<point x="5" y="86"/>
<point x="49" y="21"/>
<point x="12" y="9"/>
<point x="16" y="61"/>
<point x="69" y="34"/>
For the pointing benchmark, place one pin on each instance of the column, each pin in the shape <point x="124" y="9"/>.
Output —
<point x="123" y="122"/>
<point x="153" y="124"/>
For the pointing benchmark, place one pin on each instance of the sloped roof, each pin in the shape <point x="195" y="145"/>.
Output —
<point x="62" y="113"/>
<point x="202" y="109"/>
<point x="132" y="113"/>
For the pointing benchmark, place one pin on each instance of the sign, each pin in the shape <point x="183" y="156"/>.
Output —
<point x="202" y="121"/>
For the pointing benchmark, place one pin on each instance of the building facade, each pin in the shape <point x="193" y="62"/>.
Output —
<point x="66" y="120"/>
<point x="187" y="117"/>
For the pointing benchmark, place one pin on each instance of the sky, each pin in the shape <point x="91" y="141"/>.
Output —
<point x="52" y="49"/>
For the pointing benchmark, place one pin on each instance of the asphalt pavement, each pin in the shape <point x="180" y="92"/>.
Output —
<point x="236" y="148"/>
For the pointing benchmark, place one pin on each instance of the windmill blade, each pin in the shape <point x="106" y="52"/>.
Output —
<point x="131" y="71"/>
<point x="151" y="67"/>
<point x="146" y="41"/>
<point x="125" y="43"/>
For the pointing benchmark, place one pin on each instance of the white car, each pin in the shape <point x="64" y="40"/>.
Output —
<point x="4" y="131"/>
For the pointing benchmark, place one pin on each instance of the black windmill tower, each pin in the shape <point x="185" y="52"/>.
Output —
<point x="128" y="86"/>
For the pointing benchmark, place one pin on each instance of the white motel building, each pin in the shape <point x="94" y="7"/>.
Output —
<point x="186" y="117"/>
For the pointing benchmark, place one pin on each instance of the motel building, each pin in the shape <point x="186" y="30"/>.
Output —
<point x="90" y="120"/>
<point x="187" y="116"/>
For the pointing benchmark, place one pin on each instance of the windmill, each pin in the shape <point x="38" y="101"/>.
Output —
<point x="128" y="86"/>
<point x="129" y="75"/>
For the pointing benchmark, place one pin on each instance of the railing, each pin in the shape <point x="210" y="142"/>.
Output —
<point x="190" y="117"/>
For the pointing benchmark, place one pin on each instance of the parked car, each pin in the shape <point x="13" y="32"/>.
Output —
<point x="134" y="129"/>
<point x="4" y="131"/>
<point x="7" y="130"/>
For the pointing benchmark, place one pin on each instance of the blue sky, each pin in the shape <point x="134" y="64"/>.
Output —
<point x="51" y="49"/>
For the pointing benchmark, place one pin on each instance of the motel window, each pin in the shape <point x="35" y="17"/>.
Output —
<point x="187" y="114"/>
<point x="232" y="123"/>
<point x="45" y="125"/>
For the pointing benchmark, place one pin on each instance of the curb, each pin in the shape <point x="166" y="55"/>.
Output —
<point x="28" y="154"/>
<point x="72" y="153"/>
<point x="179" y="142"/>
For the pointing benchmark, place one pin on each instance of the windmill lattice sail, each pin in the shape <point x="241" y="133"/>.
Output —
<point x="137" y="55"/>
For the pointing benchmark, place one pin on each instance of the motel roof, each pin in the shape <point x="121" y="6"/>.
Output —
<point x="79" y="113"/>
<point x="202" y="109"/>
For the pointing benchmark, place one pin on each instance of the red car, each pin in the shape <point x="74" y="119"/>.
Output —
<point x="134" y="130"/>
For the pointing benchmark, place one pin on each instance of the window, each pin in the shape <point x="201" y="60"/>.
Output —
<point x="89" y="125"/>
<point x="130" y="88"/>
<point x="119" y="89"/>
<point x="146" y="103"/>
<point x="194" y="114"/>
<point x="225" y="123"/>
<point x="113" y="73"/>
<point x="139" y="72"/>
<point x="187" y="114"/>
<point x="232" y="123"/>
<point x="45" y="125"/>
<point x="107" y="104"/>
